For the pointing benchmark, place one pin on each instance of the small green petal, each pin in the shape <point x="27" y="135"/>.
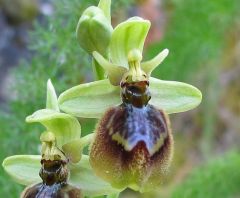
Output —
<point x="52" y="102"/>
<point x="73" y="149"/>
<point x="128" y="36"/>
<point x="23" y="169"/>
<point x="105" y="6"/>
<point x="83" y="177"/>
<point x="150" y="65"/>
<point x="90" y="100"/>
<point x="65" y="127"/>
<point x="172" y="96"/>
<point x="114" y="72"/>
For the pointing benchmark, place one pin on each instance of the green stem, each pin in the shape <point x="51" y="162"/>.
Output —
<point x="113" y="195"/>
<point x="105" y="5"/>
<point x="98" y="70"/>
<point x="86" y="140"/>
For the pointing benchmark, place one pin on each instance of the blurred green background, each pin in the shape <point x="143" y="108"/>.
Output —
<point x="37" y="42"/>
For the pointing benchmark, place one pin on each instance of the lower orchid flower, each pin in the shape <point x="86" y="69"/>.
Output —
<point x="54" y="173"/>
<point x="61" y="170"/>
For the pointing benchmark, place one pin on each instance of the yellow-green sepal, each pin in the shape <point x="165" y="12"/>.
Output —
<point x="65" y="127"/>
<point x="23" y="169"/>
<point x="173" y="96"/>
<point x="83" y="177"/>
<point x="90" y="100"/>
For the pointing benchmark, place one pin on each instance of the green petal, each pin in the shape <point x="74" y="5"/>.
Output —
<point x="65" y="127"/>
<point x="83" y="177"/>
<point x="114" y="72"/>
<point x="73" y="149"/>
<point x="52" y="102"/>
<point x="24" y="169"/>
<point x="90" y="100"/>
<point x="174" y="97"/>
<point x="128" y="36"/>
<point x="150" y="65"/>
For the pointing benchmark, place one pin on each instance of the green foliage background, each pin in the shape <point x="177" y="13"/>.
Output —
<point x="196" y="35"/>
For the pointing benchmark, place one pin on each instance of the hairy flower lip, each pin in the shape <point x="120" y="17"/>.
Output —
<point x="135" y="168"/>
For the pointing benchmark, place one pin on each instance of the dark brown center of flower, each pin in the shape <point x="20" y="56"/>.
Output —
<point x="53" y="172"/>
<point x="136" y="93"/>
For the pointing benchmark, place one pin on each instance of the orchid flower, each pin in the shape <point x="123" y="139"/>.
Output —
<point x="133" y="144"/>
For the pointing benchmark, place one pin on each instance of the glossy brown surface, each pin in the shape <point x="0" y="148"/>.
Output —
<point x="135" y="93"/>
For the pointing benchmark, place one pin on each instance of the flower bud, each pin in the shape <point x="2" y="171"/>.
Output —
<point x="133" y="145"/>
<point x="94" y="31"/>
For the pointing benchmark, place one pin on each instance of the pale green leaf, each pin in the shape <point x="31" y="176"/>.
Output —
<point x="114" y="72"/>
<point x="24" y="169"/>
<point x="52" y="102"/>
<point x="150" y="65"/>
<point x="65" y="127"/>
<point x="83" y="177"/>
<point x="127" y="36"/>
<point x="90" y="100"/>
<point x="174" y="97"/>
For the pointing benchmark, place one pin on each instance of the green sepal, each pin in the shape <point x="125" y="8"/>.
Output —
<point x="83" y="177"/>
<point x="24" y="169"/>
<point x="52" y="102"/>
<point x="127" y="36"/>
<point x="172" y="96"/>
<point x="90" y="100"/>
<point x="114" y="72"/>
<point x="65" y="127"/>
<point x="93" y="99"/>
<point x="94" y="31"/>
<point x="150" y="65"/>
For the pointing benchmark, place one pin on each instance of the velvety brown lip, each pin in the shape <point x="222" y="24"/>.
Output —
<point x="120" y="167"/>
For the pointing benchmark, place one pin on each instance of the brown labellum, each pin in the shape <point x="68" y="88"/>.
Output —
<point x="133" y="144"/>
<point x="54" y="175"/>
